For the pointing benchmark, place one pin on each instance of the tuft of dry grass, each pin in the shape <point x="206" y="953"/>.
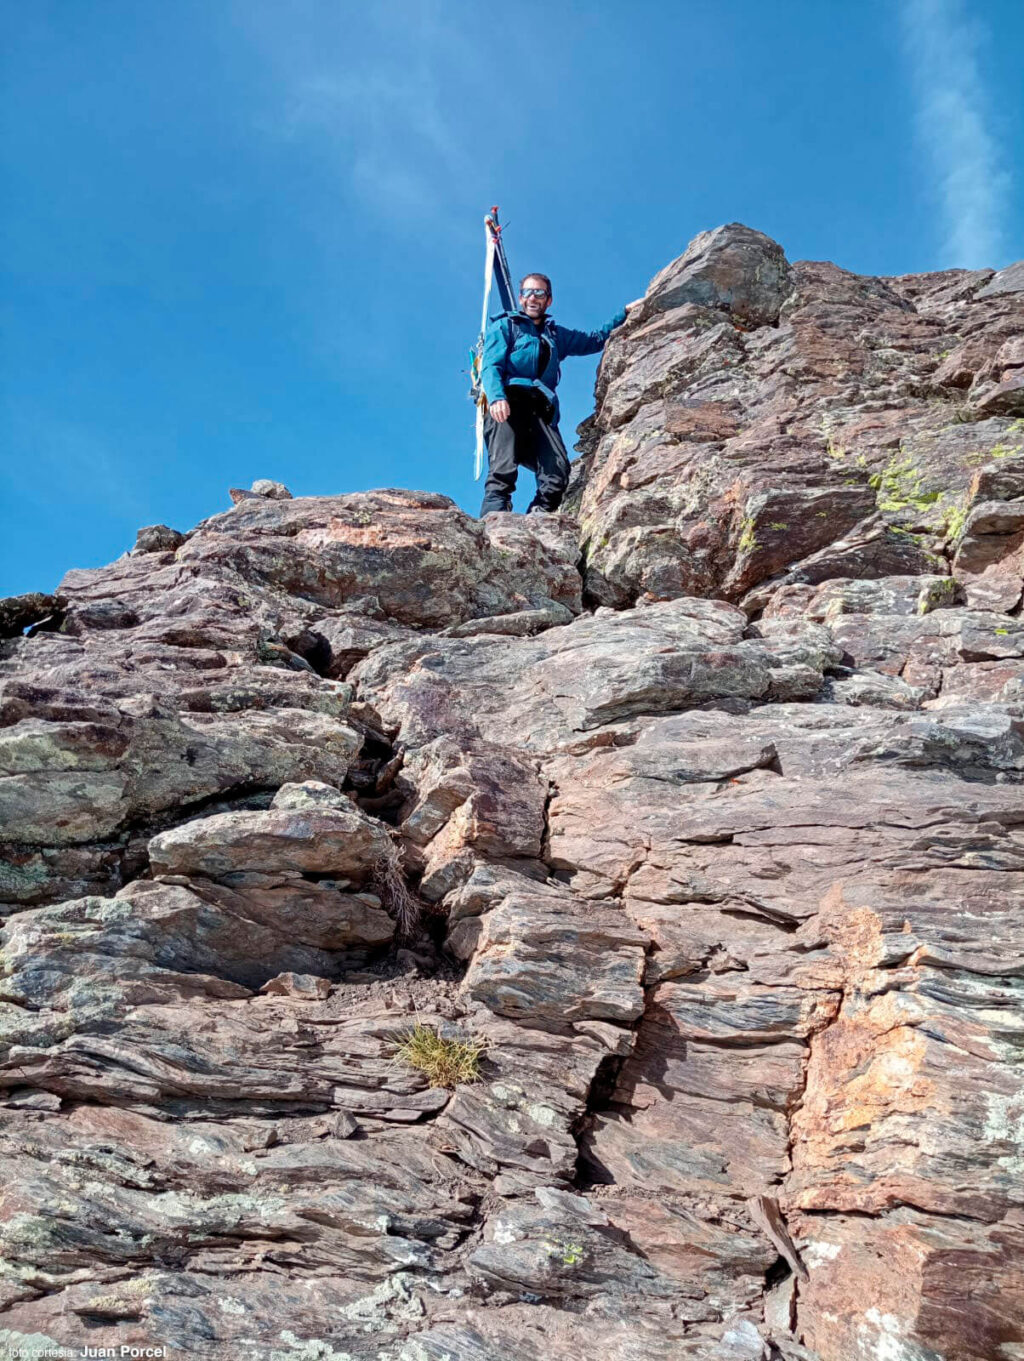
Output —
<point x="393" y="891"/>
<point x="445" y="1062"/>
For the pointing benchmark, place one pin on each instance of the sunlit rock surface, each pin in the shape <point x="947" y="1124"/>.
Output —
<point x="699" y="807"/>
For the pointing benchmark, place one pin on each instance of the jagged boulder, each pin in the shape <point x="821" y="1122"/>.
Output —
<point x="19" y="612"/>
<point x="731" y="269"/>
<point x="341" y="842"/>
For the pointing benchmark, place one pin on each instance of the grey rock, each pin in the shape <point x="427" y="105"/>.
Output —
<point x="18" y="612"/>
<point x="1008" y="280"/>
<point x="303" y="987"/>
<point x="557" y="1255"/>
<point x="1002" y="399"/>
<point x="990" y="556"/>
<point x="320" y="839"/>
<point x="520" y="625"/>
<point x="538" y="961"/>
<point x="309" y="794"/>
<point x="743" y="272"/>
<point x="878" y="689"/>
<point x="274" y="491"/>
<point x="1002" y="480"/>
<point x="158" y="539"/>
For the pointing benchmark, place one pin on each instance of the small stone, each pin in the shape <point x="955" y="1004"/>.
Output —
<point x="339" y="843"/>
<point x="98" y="615"/>
<point x="940" y="593"/>
<point x="157" y="539"/>
<point x="875" y="688"/>
<point x="740" y="1342"/>
<point x="410" y="959"/>
<point x="258" y="1137"/>
<point x="740" y="271"/>
<point x="309" y="794"/>
<point x="274" y="491"/>
<point x="303" y="987"/>
<point x="512" y="1184"/>
<point x="344" y="1125"/>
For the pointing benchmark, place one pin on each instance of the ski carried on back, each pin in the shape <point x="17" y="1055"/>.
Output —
<point x="497" y="277"/>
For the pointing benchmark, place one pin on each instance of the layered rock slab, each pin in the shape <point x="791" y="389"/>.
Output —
<point x="213" y="668"/>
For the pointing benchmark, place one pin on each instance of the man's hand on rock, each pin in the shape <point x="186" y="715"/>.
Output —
<point x="499" y="410"/>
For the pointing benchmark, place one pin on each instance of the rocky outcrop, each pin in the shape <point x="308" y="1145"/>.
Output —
<point x="701" y="814"/>
<point x="758" y="422"/>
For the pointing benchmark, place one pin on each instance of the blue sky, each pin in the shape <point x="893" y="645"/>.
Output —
<point x="243" y="238"/>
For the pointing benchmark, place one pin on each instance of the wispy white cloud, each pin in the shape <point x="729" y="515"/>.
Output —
<point x="384" y="94"/>
<point x="954" y="121"/>
<point x="388" y="106"/>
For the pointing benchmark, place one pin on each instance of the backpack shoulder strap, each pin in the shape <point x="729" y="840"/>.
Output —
<point x="514" y="317"/>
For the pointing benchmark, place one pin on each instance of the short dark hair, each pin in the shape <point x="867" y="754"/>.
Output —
<point x="542" y="277"/>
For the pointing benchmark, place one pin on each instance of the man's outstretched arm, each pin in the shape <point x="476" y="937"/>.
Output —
<point x="586" y="342"/>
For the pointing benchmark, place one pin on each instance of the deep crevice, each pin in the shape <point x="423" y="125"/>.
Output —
<point x="372" y="775"/>
<point x="600" y="1097"/>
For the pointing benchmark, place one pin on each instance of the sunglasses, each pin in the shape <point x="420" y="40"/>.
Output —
<point x="533" y="293"/>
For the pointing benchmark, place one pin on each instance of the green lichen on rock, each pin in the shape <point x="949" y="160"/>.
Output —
<point x="125" y="1301"/>
<point x="14" y="1343"/>
<point x="747" y="540"/>
<point x="1005" y="450"/>
<point x="956" y="519"/>
<point x="20" y="882"/>
<point x="834" y="451"/>
<point x="937" y="595"/>
<point x="901" y="486"/>
<point x="1002" y="449"/>
<point x="565" y="1252"/>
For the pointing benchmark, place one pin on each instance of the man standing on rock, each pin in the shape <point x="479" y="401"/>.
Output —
<point x="521" y="366"/>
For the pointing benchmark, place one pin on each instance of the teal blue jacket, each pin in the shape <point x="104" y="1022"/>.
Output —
<point x="512" y="353"/>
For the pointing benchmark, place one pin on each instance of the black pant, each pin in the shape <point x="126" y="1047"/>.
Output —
<point x="528" y="439"/>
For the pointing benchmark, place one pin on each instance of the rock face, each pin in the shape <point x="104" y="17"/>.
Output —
<point x="702" y="813"/>
<point x="759" y="423"/>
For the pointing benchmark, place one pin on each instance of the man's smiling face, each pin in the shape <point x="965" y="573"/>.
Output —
<point x="534" y="298"/>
